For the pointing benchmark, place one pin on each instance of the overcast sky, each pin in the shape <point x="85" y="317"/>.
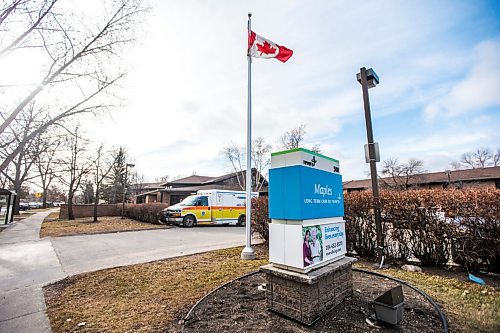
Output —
<point x="438" y="63"/>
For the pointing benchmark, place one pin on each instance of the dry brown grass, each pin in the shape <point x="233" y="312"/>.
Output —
<point x="141" y="298"/>
<point x="146" y="297"/>
<point x="53" y="215"/>
<point x="86" y="226"/>
<point x="468" y="306"/>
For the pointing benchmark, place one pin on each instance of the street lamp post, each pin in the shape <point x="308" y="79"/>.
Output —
<point x="128" y="165"/>
<point x="369" y="79"/>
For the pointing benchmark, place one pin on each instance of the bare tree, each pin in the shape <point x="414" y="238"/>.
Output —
<point x="455" y="165"/>
<point x="55" y="193"/>
<point x="477" y="159"/>
<point x="45" y="160"/>
<point x="75" y="56"/>
<point x="76" y="166"/>
<point x="496" y="158"/>
<point x="162" y="179"/>
<point x="102" y="167"/>
<point x="293" y="138"/>
<point x="316" y="149"/>
<point x="21" y="166"/>
<point x="137" y="182"/>
<point x="261" y="152"/>
<point x="236" y="156"/>
<point x="402" y="175"/>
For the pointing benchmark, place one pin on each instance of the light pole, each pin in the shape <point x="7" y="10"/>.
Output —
<point x="369" y="79"/>
<point x="128" y="165"/>
<point x="448" y="173"/>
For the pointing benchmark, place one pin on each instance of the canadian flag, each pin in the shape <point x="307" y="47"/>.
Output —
<point x="260" y="47"/>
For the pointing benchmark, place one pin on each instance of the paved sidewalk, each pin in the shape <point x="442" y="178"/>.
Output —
<point x="78" y="254"/>
<point x="27" y="263"/>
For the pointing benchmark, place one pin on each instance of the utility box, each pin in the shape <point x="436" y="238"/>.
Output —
<point x="389" y="306"/>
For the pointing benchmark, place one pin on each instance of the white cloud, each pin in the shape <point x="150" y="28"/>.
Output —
<point x="187" y="89"/>
<point x="478" y="90"/>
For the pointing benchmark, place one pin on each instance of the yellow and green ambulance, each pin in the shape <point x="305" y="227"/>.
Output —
<point x="208" y="207"/>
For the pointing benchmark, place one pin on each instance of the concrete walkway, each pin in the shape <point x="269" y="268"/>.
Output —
<point x="27" y="263"/>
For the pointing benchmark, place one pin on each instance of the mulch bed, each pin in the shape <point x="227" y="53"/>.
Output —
<point x="241" y="307"/>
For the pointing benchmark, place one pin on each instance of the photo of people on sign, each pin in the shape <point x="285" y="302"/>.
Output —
<point x="312" y="248"/>
<point x="322" y="243"/>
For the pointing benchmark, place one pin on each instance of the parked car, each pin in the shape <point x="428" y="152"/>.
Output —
<point x="24" y="206"/>
<point x="35" y="205"/>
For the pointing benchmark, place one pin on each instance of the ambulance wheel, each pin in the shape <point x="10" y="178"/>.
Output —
<point x="188" y="221"/>
<point x="242" y="220"/>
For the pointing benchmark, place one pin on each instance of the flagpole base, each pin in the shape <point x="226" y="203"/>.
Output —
<point x="248" y="253"/>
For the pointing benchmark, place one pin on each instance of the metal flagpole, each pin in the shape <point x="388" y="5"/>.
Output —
<point x="248" y="253"/>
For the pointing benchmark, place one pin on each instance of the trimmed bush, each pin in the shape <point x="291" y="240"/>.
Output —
<point x="360" y="224"/>
<point x="260" y="217"/>
<point x="432" y="225"/>
<point x="147" y="212"/>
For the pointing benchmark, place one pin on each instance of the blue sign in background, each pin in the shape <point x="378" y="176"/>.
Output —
<point x="302" y="193"/>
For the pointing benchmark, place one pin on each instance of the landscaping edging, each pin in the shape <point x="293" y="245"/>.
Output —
<point x="237" y="306"/>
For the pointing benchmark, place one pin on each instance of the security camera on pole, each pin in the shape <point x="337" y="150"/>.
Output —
<point x="369" y="79"/>
<point x="258" y="47"/>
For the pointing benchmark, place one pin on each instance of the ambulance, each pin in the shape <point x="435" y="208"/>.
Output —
<point x="208" y="207"/>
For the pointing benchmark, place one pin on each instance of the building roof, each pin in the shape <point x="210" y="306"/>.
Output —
<point x="193" y="189"/>
<point x="194" y="179"/>
<point x="194" y="183"/>
<point x="146" y="186"/>
<point x="467" y="175"/>
<point x="229" y="175"/>
<point x="147" y="193"/>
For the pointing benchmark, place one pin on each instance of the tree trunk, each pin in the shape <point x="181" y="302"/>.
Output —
<point x="71" y="216"/>
<point x="16" y="205"/>
<point x="96" y="202"/>
<point x="17" y="189"/>
<point x="44" y="200"/>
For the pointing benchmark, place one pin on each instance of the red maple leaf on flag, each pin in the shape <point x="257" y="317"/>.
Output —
<point x="266" y="48"/>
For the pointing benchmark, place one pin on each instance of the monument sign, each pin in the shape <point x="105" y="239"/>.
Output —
<point x="308" y="274"/>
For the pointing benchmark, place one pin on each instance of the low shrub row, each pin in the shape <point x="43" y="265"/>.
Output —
<point x="150" y="212"/>
<point x="433" y="226"/>
<point x="260" y="217"/>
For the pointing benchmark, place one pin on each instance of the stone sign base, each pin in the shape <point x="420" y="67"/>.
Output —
<point x="307" y="297"/>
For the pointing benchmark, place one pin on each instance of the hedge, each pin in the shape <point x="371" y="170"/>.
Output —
<point x="147" y="212"/>
<point x="434" y="226"/>
<point x="260" y="217"/>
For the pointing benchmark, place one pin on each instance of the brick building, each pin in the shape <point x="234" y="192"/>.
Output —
<point x="470" y="178"/>
<point x="175" y="191"/>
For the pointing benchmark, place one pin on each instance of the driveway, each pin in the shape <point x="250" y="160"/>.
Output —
<point x="27" y="263"/>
